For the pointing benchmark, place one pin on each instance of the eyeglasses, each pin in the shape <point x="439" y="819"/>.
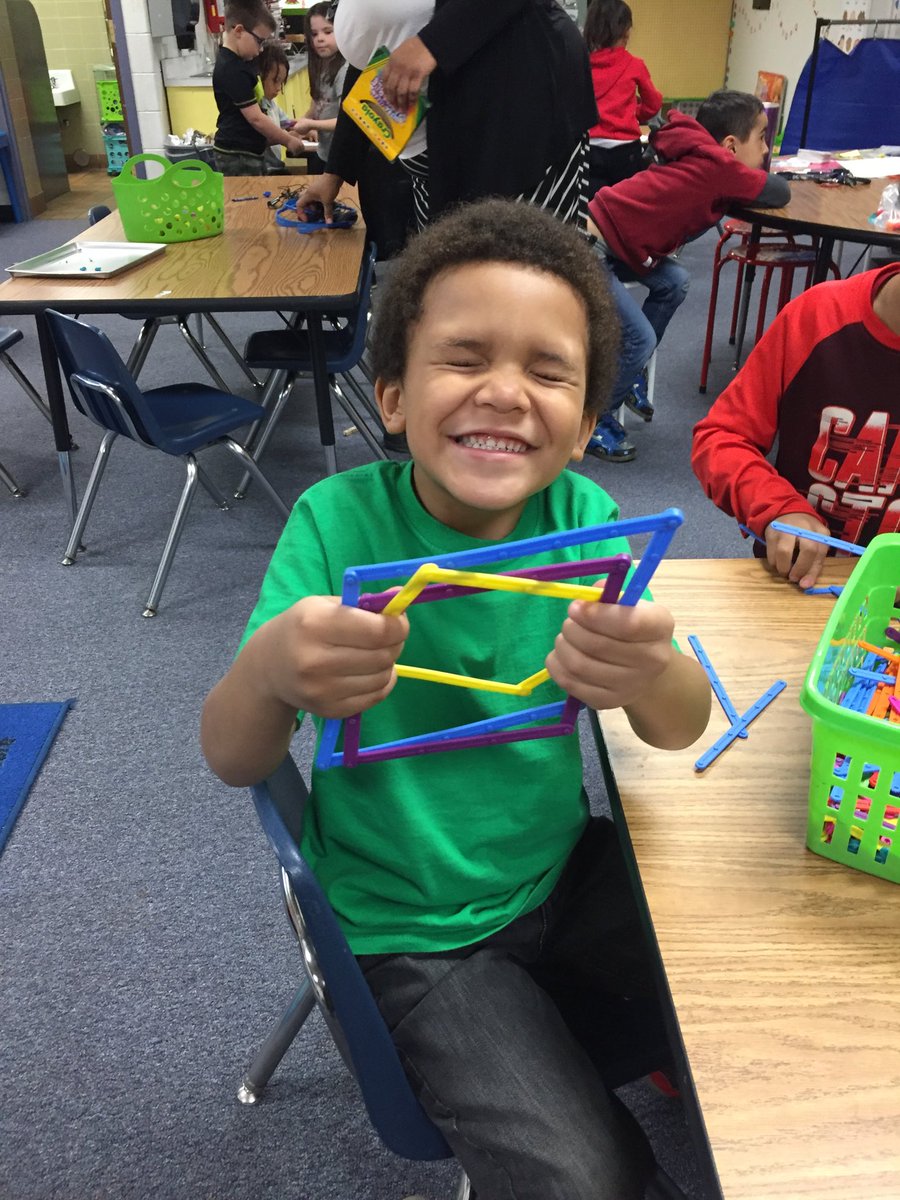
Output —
<point x="260" y="41"/>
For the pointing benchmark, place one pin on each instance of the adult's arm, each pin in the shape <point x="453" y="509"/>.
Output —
<point x="731" y="443"/>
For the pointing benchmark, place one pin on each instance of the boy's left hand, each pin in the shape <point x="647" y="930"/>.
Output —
<point x="607" y="655"/>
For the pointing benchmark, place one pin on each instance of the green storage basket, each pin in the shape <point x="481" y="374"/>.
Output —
<point x="109" y="99"/>
<point x="183" y="204"/>
<point x="854" y="786"/>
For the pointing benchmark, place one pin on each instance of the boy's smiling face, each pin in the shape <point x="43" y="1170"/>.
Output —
<point x="492" y="398"/>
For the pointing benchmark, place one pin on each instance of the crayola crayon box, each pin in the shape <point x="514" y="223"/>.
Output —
<point x="388" y="128"/>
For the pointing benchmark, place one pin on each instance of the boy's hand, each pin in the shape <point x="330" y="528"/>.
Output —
<point x="325" y="658"/>
<point x="294" y="144"/>
<point x="781" y="548"/>
<point x="608" y="655"/>
<point x="302" y="126"/>
<point x="405" y="71"/>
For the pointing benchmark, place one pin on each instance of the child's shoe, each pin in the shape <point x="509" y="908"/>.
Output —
<point x="610" y="442"/>
<point x="637" y="400"/>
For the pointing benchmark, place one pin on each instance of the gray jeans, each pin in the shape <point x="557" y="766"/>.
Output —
<point x="505" y="1041"/>
<point x="236" y="163"/>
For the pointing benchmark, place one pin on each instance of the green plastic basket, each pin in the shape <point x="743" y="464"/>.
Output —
<point x="854" y="786"/>
<point x="183" y="204"/>
<point x="109" y="99"/>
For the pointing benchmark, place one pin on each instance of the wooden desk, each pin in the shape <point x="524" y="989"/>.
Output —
<point x="831" y="214"/>
<point x="254" y="265"/>
<point x="784" y="968"/>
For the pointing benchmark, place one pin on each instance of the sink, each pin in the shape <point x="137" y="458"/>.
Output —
<point x="63" y="88"/>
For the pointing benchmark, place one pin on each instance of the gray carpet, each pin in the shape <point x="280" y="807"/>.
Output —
<point x="143" y="953"/>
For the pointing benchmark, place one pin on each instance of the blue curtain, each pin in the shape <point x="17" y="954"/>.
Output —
<point x="856" y="99"/>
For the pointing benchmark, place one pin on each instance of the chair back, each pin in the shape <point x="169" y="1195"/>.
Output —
<point x="97" y="212"/>
<point x="340" y="987"/>
<point x="359" y="320"/>
<point x="101" y="386"/>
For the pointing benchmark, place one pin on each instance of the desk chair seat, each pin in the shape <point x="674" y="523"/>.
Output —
<point x="334" y="981"/>
<point x="180" y="421"/>
<point x="287" y="353"/>
<point x="151" y="324"/>
<point x="786" y="257"/>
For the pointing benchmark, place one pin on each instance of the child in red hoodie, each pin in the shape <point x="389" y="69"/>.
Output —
<point x="706" y="164"/>
<point x="625" y="94"/>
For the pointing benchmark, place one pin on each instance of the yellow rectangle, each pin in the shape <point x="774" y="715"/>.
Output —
<point x="384" y="126"/>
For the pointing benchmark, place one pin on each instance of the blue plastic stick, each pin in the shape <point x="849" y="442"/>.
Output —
<point x="749" y="532"/>
<point x="742" y="722"/>
<point x="715" y="683"/>
<point x="836" y="543"/>
<point x="831" y="590"/>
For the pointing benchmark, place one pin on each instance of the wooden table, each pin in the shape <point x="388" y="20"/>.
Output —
<point x="829" y="213"/>
<point x="254" y="265"/>
<point x="784" y="968"/>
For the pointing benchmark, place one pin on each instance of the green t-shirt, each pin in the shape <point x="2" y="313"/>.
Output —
<point x="435" y="851"/>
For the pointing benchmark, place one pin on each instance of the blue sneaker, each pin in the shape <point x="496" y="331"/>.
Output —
<point x="610" y="441"/>
<point x="637" y="400"/>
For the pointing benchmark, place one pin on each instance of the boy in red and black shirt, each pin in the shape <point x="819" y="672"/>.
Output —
<point x="706" y="164"/>
<point x="825" y="381"/>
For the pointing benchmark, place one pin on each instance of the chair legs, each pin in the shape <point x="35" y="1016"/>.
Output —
<point x="25" y="384"/>
<point x="194" y="475"/>
<point x="87" y="500"/>
<point x="276" y="1045"/>
<point x="7" y="478"/>
<point x="147" y="335"/>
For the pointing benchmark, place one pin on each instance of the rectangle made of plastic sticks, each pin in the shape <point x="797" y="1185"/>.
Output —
<point x="546" y="580"/>
<point x="661" y="527"/>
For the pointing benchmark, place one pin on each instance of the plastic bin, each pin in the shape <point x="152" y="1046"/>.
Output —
<point x="109" y="99"/>
<point x="116" y="145"/>
<point x="186" y="202"/>
<point x="854" y="786"/>
<point x="176" y="154"/>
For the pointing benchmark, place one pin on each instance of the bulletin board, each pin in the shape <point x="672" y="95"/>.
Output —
<point x="684" y="43"/>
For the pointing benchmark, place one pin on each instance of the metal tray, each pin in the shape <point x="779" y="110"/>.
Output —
<point x="87" y="260"/>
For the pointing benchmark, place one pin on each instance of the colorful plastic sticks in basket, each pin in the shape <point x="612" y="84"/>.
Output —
<point x="450" y="576"/>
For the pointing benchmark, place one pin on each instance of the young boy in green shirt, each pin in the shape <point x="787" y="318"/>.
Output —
<point x="243" y="131"/>
<point x="488" y="911"/>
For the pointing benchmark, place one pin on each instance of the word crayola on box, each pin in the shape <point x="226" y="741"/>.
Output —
<point x="387" y="127"/>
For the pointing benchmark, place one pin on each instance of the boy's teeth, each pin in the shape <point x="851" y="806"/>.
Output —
<point x="483" y="442"/>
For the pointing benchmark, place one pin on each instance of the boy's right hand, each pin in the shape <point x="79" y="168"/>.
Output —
<point x="782" y="547"/>
<point x="328" y="659"/>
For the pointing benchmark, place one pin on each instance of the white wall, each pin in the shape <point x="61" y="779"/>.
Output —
<point x="146" y="74"/>
<point x="780" y="39"/>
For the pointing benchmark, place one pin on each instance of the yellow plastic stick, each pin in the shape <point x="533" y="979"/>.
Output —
<point x="432" y="573"/>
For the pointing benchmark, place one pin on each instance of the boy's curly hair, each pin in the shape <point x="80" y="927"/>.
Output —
<point x="498" y="231"/>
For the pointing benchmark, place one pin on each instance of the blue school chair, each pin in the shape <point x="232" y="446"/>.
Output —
<point x="334" y="982"/>
<point x="151" y="323"/>
<point x="180" y="420"/>
<point x="286" y="353"/>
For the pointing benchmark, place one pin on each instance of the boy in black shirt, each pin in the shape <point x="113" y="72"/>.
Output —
<point x="243" y="130"/>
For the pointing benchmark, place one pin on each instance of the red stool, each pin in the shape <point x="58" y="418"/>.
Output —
<point x="787" y="257"/>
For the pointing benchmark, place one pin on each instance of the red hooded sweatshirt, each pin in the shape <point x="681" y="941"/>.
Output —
<point x="646" y="217"/>
<point x="619" y="79"/>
